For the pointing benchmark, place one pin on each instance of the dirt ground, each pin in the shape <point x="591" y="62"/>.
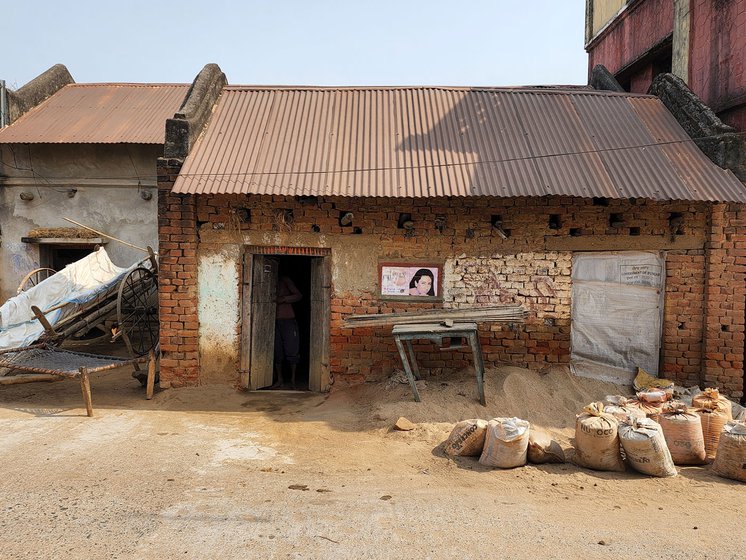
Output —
<point x="210" y="472"/>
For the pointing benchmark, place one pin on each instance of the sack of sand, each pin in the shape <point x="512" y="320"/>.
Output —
<point x="467" y="438"/>
<point x="711" y="398"/>
<point x="506" y="443"/>
<point x="622" y="412"/>
<point x="597" y="439"/>
<point x="543" y="448"/>
<point x="682" y="429"/>
<point x="650" y="410"/>
<point x="731" y="457"/>
<point x="645" y="448"/>
<point x="713" y="422"/>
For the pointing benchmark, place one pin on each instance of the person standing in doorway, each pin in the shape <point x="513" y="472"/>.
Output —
<point x="287" y="340"/>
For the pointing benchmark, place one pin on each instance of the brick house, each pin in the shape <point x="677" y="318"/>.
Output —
<point x="508" y="192"/>
<point x="87" y="152"/>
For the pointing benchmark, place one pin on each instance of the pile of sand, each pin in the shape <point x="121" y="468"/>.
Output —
<point x="550" y="400"/>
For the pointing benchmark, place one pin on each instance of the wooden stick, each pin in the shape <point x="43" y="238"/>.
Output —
<point x="85" y="385"/>
<point x="106" y="235"/>
<point x="151" y="376"/>
<point x="18" y="379"/>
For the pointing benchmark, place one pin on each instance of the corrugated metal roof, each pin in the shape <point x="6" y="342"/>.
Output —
<point x="99" y="113"/>
<point x="438" y="141"/>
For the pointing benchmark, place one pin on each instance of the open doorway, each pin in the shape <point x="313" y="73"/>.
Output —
<point x="294" y="275"/>
<point x="308" y="269"/>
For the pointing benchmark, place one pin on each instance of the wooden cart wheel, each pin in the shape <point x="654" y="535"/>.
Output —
<point x="137" y="310"/>
<point x="34" y="277"/>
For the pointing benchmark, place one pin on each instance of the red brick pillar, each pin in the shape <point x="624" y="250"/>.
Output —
<point x="725" y="298"/>
<point x="177" y="280"/>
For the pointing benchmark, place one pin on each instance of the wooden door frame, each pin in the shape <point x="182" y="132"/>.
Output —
<point x="318" y="374"/>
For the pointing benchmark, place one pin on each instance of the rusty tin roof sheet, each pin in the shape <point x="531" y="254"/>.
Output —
<point x="438" y="141"/>
<point x="99" y="114"/>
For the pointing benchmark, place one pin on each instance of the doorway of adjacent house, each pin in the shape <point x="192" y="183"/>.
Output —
<point x="262" y="351"/>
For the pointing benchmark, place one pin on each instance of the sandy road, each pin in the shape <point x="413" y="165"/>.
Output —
<point x="213" y="473"/>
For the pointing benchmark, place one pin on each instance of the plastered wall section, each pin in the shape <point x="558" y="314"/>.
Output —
<point x="480" y="268"/>
<point x="106" y="196"/>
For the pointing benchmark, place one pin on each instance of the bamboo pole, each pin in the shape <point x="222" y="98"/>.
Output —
<point x="32" y="378"/>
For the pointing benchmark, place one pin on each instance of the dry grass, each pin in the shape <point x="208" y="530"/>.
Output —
<point x="62" y="232"/>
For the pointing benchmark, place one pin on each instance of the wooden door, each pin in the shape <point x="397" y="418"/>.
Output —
<point x="263" y="309"/>
<point x="318" y="367"/>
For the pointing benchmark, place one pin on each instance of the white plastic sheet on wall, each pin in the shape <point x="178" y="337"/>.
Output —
<point x="617" y="302"/>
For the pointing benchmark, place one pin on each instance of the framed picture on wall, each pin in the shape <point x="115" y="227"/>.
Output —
<point x="407" y="280"/>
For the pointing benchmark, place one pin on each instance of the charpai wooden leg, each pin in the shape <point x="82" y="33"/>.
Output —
<point x="85" y="385"/>
<point x="151" y="376"/>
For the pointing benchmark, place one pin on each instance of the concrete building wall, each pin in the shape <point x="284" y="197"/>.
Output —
<point x="201" y="240"/>
<point x="708" y="49"/>
<point x="100" y="186"/>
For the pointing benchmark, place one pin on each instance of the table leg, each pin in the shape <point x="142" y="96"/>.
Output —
<point x="407" y="369"/>
<point x="413" y="358"/>
<point x="476" y="349"/>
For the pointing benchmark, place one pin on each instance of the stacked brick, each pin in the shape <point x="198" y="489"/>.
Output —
<point x="177" y="281"/>
<point x="480" y="268"/>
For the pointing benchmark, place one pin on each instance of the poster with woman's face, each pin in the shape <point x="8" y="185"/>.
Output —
<point x="408" y="280"/>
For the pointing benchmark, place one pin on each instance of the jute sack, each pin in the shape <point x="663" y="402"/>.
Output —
<point x="467" y="438"/>
<point x="597" y="440"/>
<point x="731" y="458"/>
<point x="682" y="429"/>
<point x="713" y="422"/>
<point x="645" y="448"/>
<point x="622" y="412"/>
<point x="543" y="448"/>
<point x="506" y="443"/>
<point x="649" y="409"/>
<point x="711" y="398"/>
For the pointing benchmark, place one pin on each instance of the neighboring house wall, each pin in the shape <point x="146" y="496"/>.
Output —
<point x="202" y="238"/>
<point x="108" y="182"/>
<point x="704" y="40"/>
<point x="633" y="44"/>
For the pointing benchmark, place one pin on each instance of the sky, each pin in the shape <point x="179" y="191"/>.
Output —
<point x="299" y="42"/>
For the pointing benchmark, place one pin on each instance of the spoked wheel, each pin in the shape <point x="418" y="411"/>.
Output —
<point x="137" y="310"/>
<point x="34" y="277"/>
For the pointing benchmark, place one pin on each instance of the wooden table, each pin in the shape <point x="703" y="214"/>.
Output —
<point x="405" y="334"/>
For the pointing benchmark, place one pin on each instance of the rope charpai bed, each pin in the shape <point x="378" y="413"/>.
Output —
<point x="40" y="362"/>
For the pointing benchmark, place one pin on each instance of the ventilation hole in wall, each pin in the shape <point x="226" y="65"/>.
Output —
<point x="403" y="219"/>
<point x="576" y="232"/>
<point x="200" y="224"/>
<point x="554" y="221"/>
<point x="315" y="228"/>
<point x="676" y="223"/>
<point x="357" y="230"/>
<point x="634" y="231"/>
<point x="600" y="201"/>
<point x="616" y="220"/>
<point x="681" y="325"/>
<point x="724" y="328"/>
<point x="507" y="232"/>
<point x="244" y="215"/>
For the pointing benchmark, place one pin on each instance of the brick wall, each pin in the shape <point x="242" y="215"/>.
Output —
<point x="479" y="268"/>
<point x="725" y="294"/>
<point x="177" y="281"/>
